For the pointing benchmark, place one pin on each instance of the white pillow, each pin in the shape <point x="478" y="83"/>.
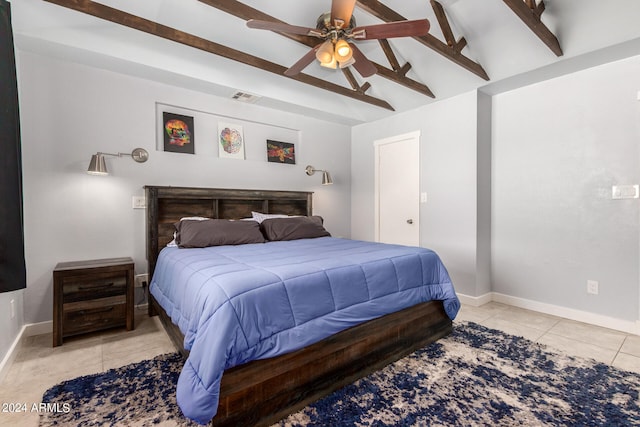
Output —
<point x="259" y="217"/>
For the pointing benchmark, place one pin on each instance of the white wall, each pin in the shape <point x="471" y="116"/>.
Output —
<point x="70" y="111"/>
<point x="519" y="191"/>
<point x="449" y="176"/>
<point x="558" y="147"/>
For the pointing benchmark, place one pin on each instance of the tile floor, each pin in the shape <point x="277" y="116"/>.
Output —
<point x="575" y="338"/>
<point x="38" y="366"/>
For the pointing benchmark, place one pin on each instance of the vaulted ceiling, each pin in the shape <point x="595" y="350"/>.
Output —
<point x="205" y="45"/>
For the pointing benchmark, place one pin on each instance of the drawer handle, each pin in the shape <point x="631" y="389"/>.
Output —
<point x="96" y="310"/>
<point x="94" y="286"/>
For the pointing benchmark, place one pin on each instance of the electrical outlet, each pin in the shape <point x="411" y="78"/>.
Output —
<point x="12" y="305"/>
<point x="625" y="191"/>
<point x="142" y="280"/>
<point x="592" y="287"/>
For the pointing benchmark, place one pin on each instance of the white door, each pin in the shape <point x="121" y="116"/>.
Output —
<point x="398" y="189"/>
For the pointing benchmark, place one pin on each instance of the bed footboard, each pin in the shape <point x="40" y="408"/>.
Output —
<point x="264" y="391"/>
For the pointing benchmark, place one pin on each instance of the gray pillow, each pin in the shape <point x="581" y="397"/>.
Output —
<point x="293" y="228"/>
<point x="216" y="232"/>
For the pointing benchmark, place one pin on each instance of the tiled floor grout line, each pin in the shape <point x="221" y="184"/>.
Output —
<point x="548" y="331"/>
<point x="620" y="349"/>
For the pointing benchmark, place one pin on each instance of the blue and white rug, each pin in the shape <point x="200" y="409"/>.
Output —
<point x="475" y="376"/>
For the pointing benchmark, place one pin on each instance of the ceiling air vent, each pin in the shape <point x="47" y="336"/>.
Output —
<point x="245" y="97"/>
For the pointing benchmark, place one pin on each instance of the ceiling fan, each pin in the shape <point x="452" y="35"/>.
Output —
<point x="338" y="28"/>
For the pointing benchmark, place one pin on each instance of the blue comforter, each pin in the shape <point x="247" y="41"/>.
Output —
<point x="235" y="304"/>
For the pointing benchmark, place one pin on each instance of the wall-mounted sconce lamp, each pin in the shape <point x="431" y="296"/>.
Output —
<point x="326" y="178"/>
<point x="98" y="166"/>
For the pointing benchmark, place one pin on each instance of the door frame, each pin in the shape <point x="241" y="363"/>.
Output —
<point x="390" y="140"/>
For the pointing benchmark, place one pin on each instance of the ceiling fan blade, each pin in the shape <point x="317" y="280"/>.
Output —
<point x="362" y="64"/>
<point x="302" y="62"/>
<point x="281" y="27"/>
<point x="341" y="11"/>
<point x="418" y="27"/>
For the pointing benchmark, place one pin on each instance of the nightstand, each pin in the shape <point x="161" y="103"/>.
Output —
<point x="92" y="295"/>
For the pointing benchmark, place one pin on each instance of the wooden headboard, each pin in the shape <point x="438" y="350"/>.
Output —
<point x="166" y="205"/>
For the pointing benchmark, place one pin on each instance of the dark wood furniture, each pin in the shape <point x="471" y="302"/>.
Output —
<point x="92" y="295"/>
<point x="263" y="391"/>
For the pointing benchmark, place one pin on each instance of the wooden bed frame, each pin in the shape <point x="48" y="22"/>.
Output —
<point x="264" y="391"/>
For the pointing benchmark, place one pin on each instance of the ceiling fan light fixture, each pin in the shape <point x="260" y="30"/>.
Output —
<point x="345" y="64"/>
<point x="343" y="51"/>
<point x="339" y="33"/>
<point x="325" y="52"/>
<point x="333" y="64"/>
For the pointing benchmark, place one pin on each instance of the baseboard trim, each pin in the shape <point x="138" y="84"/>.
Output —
<point x="33" y="329"/>
<point x="11" y="355"/>
<point x="630" y="327"/>
<point x="475" y="301"/>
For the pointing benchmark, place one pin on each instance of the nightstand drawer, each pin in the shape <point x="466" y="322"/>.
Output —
<point x="86" y="316"/>
<point x="79" y="288"/>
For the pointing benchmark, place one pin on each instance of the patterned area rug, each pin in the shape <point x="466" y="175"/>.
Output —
<point x="475" y="376"/>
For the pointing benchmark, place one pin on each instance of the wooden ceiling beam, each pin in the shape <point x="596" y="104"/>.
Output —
<point x="242" y="11"/>
<point x="397" y="69"/>
<point x="443" y="21"/>
<point x="530" y="14"/>
<point x="388" y="52"/>
<point x="120" y="17"/>
<point x="387" y="14"/>
<point x="406" y="82"/>
<point x="354" y="83"/>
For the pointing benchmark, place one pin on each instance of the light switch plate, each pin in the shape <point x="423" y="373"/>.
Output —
<point x="139" y="202"/>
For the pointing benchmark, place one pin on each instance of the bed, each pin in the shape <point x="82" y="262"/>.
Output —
<point x="268" y="374"/>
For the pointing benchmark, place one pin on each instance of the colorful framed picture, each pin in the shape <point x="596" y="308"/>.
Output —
<point x="178" y="133"/>
<point x="231" y="141"/>
<point x="281" y="152"/>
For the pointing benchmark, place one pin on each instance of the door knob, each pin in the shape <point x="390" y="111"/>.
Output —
<point x="409" y="221"/>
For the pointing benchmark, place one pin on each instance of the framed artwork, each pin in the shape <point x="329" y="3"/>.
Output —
<point x="281" y="152"/>
<point x="178" y="133"/>
<point x="231" y="140"/>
